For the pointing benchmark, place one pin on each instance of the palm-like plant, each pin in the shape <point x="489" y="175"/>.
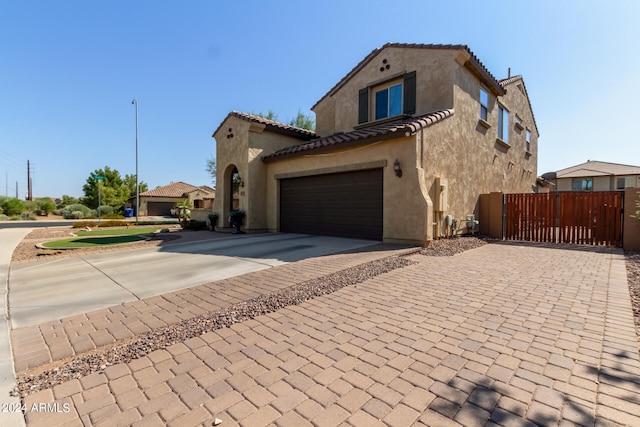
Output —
<point x="183" y="208"/>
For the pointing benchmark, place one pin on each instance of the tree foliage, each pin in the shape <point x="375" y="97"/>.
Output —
<point x="130" y="183"/>
<point x="303" y="121"/>
<point x="269" y="115"/>
<point x="67" y="200"/>
<point x="12" y="206"/>
<point x="113" y="190"/>
<point x="211" y="169"/>
<point x="44" y="206"/>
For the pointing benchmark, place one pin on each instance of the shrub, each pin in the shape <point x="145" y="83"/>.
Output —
<point x="113" y="216"/>
<point x="192" y="224"/>
<point x="113" y="224"/>
<point x="28" y="216"/>
<point x="12" y="207"/>
<point x="15" y="218"/>
<point x="3" y="217"/>
<point x="44" y="207"/>
<point x="212" y="221"/>
<point x="84" y="224"/>
<point x="106" y="210"/>
<point x="68" y="211"/>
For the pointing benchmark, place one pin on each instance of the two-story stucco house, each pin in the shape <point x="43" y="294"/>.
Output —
<point x="595" y="176"/>
<point x="410" y="136"/>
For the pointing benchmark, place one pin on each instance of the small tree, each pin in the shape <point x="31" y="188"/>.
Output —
<point x="44" y="206"/>
<point x="211" y="169"/>
<point x="12" y="207"/>
<point x="66" y="201"/>
<point x="183" y="209"/>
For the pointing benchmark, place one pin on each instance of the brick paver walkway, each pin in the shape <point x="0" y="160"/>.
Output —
<point x="500" y="335"/>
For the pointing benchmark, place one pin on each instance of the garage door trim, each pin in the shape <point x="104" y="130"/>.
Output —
<point x="377" y="164"/>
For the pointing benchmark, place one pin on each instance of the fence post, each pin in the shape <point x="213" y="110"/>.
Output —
<point x="631" y="227"/>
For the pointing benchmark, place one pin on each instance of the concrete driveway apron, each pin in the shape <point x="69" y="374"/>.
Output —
<point x="45" y="291"/>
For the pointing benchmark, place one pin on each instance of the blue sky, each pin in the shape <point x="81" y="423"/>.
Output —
<point x="69" y="70"/>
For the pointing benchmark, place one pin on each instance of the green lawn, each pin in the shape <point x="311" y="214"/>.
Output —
<point x="102" y="237"/>
<point x="117" y="232"/>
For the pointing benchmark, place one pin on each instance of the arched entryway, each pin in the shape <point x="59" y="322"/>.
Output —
<point x="232" y="182"/>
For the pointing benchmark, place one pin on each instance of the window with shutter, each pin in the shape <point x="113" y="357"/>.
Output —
<point x="392" y="98"/>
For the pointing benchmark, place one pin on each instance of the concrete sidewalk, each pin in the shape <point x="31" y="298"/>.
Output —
<point x="9" y="239"/>
<point x="504" y="334"/>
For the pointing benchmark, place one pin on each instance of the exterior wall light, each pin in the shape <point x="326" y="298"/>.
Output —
<point x="396" y="168"/>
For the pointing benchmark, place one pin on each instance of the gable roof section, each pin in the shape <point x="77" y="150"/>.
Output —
<point x="473" y="63"/>
<point x="518" y="79"/>
<point x="596" y="168"/>
<point x="204" y="189"/>
<point x="271" y="125"/>
<point x="176" y="189"/>
<point x="363" y="136"/>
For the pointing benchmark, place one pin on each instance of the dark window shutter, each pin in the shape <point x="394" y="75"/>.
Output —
<point x="410" y="93"/>
<point x="363" y="105"/>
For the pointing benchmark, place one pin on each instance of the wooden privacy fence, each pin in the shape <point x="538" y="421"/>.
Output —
<point x="586" y="218"/>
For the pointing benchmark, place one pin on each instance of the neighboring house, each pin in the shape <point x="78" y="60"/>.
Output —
<point x="595" y="176"/>
<point x="160" y="200"/>
<point x="411" y="135"/>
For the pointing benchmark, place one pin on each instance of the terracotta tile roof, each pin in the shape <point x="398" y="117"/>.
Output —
<point x="518" y="79"/>
<point x="176" y="189"/>
<point x="271" y="125"/>
<point x="474" y="64"/>
<point x="596" y="168"/>
<point x="406" y="127"/>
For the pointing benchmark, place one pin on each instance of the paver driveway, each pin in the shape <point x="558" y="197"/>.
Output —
<point x="504" y="334"/>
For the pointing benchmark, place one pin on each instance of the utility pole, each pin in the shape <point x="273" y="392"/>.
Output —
<point x="16" y="189"/>
<point x="29" y="189"/>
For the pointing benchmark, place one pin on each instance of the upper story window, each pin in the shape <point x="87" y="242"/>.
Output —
<point x="388" y="99"/>
<point x="503" y="124"/>
<point x="527" y="140"/>
<point x="582" y="184"/>
<point x="484" y="104"/>
<point x="388" y="102"/>
<point x="624" y="182"/>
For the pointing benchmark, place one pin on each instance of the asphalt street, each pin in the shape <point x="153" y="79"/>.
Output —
<point x="44" y="291"/>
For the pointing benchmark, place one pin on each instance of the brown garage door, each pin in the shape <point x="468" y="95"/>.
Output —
<point x="346" y="204"/>
<point x="159" y="208"/>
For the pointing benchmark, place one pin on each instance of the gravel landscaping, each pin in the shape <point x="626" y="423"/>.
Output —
<point x="142" y="345"/>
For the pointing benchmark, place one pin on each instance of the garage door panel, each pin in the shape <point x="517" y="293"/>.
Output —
<point x="345" y="204"/>
<point x="159" y="208"/>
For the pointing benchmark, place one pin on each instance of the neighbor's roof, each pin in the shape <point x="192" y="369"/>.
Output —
<point x="175" y="189"/>
<point x="271" y="125"/>
<point x="596" y="168"/>
<point x="363" y="136"/>
<point x="518" y="79"/>
<point x="474" y="65"/>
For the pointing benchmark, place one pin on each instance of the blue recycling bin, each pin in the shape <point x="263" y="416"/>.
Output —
<point x="128" y="212"/>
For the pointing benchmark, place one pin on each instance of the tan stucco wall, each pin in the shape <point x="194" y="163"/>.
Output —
<point x="406" y="207"/>
<point x="250" y="141"/>
<point x="468" y="156"/>
<point x="434" y="78"/>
